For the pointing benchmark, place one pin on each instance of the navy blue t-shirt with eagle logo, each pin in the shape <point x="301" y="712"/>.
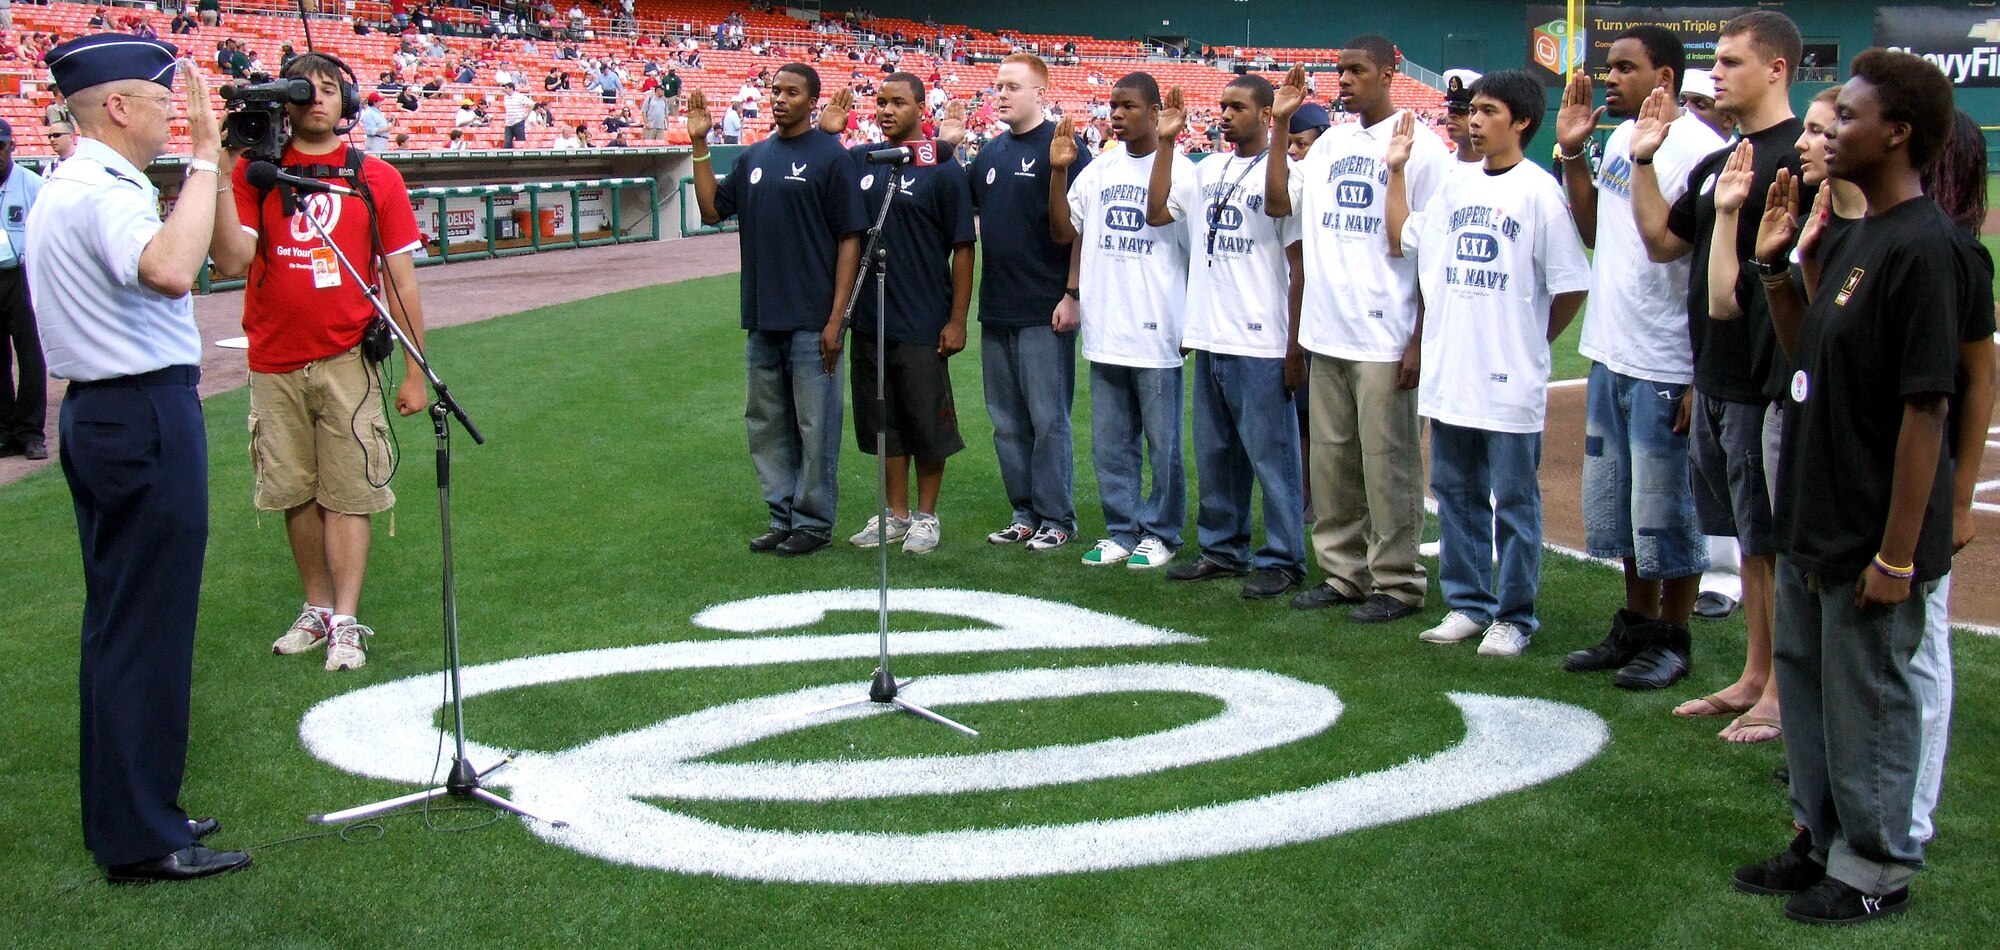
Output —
<point x="794" y="198"/>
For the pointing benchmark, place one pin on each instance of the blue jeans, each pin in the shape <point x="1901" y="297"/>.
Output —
<point x="1638" y="499"/>
<point x="1132" y="410"/>
<point x="793" y="415"/>
<point x="1245" y="425"/>
<point x="1486" y="480"/>
<point x="1030" y="376"/>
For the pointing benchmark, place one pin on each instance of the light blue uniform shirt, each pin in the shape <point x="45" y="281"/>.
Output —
<point x="17" y="196"/>
<point x="95" y="215"/>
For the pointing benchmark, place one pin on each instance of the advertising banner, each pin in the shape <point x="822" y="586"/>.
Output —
<point x="1698" y="28"/>
<point x="1964" y="43"/>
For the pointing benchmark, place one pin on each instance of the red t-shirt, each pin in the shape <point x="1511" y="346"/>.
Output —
<point x="300" y="305"/>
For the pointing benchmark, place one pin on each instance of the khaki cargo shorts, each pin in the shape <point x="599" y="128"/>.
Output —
<point x="318" y="433"/>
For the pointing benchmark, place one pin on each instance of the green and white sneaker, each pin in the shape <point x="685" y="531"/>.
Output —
<point x="922" y="535"/>
<point x="307" y="633"/>
<point x="1107" y="552"/>
<point x="1151" y="553"/>
<point x="869" y="535"/>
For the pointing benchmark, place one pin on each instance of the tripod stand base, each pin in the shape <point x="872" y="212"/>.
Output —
<point x="882" y="691"/>
<point x="463" y="784"/>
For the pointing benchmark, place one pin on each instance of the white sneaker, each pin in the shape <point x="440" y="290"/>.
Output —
<point x="1048" y="539"/>
<point x="869" y="535"/>
<point x="1106" y="552"/>
<point x="349" y="649"/>
<point x="922" y="534"/>
<point x="1151" y="553"/>
<point x="1453" y="628"/>
<point x="1503" y="639"/>
<point x="307" y="633"/>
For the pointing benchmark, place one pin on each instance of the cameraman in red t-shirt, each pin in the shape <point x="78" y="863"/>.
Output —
<point x="319" y="437"/>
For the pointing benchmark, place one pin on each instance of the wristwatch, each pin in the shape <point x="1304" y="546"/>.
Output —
<point x="202" y="165"/>
<point x="1761" y="269"/>
<point x="1072" y="293"/>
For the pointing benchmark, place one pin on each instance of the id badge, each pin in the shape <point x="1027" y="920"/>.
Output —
<point x="326" y="268"/>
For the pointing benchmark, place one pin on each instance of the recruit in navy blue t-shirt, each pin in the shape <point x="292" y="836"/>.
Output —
<point x="931" y="216"/>
<point x="1024" y="270"/>
<point x="795" y="199"/>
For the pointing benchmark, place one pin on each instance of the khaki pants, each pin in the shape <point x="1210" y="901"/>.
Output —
<point x="318" y="433"/>
<point x="1367" y="476"/>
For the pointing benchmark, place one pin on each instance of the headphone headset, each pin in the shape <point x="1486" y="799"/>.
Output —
<point x="350" y="93"/>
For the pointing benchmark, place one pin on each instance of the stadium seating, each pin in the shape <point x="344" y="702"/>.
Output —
<point x="265" y="24"/>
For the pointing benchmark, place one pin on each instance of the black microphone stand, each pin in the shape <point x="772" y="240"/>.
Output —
<point x="463" y="779"/>
<point x="883" y="689"/>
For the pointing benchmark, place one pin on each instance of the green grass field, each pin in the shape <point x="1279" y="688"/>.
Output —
<point x="611" y="505"/>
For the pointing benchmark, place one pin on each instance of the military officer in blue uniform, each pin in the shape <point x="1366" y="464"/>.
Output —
<point x="111" y="284"/>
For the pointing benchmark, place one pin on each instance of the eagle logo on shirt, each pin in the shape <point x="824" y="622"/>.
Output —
<point x="1027" y="168"/>
<point x="798" y="172"/>
<point x="907" y="184"/>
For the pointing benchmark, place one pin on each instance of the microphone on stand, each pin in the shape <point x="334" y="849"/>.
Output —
<point x="265" y="176"/>
<point x="921" y="153"/>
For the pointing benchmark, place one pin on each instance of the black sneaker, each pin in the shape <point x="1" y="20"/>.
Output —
<point x="1617" y="649"/>
<point x="1792" y="871"/>
<point x="35" y="450"/>
<point x="1203" y="569"/>
<point x="1664" y="661"/>
<point x="768" y="541"/>
<point x="802" y="543"/>
<point x="1381" y="608"/>
<point x="1322" y="596"/>
<point x="1832" y="902"/>
<point x="1269" y="582"/>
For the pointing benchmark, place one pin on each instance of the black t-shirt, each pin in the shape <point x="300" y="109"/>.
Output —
<point x="1735" y="360"/>
<point x="931" y="216"/>
<point x="1975" y="322"/>
<point x="1884" y="325"/>
<point x="795" y="199"/>
<point x="1024" y="271"/>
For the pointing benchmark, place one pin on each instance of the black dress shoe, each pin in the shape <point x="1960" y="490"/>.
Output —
<point x="1834" y="902"/>
<point x="1321" y="596"/>
<point x="1617" y="649"/>
<point x="802" y="543"/>
<point x="1381" y="608"/>
<point x="1792" y="871"/>
<point x="35" y="450"/>
<point x="1203" y="569"/>
<point x="8" y="449"/>
<point x="1269" y="582"/>
<point x="768" y="541"/>
<point x="186" y="864"/>
<point x="1710" y="605"/>
<point x="203" y="827"/>
<point x="1664" y="661"/>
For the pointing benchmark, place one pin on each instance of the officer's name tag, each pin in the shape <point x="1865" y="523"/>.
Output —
<point x="326" y="268"/>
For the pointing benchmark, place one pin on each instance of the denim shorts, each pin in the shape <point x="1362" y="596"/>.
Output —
<point x="1732" y="498"/>
<point x="1638" y="500"/>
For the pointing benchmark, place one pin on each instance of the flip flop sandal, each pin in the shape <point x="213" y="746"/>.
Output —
<point x="1715" y="702"/>
<point x="1752" y="722"/>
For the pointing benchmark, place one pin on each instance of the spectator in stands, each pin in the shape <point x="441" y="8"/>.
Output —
<point x="374" y="125"/>
<point x="732" y="126"/>
<point x="467" y="115"/>
<point x="567" y="140"/>
<point x="402" y="143"/>
<point x="360" y="28"/>
<point x="62" y="140"/>
<point x="583" y="136"/>
<point x="540" y="117"/>
<point x="183" y="23"/>
<point x="614" y="121"/>
<point x="209" y="12"/>
<point x="672" y="89"/>
<point x="605" y="84"/>
<point x="467" y="73"/>
<point x="99" y="18"/>
<point x="656" y="114"/>
<point x="457" y="142"/>
<point x="747" y="97"/>
<point x="516" y="106"/>
<point x="556" y="79"/>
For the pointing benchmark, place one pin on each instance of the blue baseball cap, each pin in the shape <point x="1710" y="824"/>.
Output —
<point x="6" y="131"/>
<point x="108" y="57"/>
<point x="1312" y="115"/>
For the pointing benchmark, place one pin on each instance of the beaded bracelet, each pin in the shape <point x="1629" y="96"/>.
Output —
<point x="1899" y="573"/>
